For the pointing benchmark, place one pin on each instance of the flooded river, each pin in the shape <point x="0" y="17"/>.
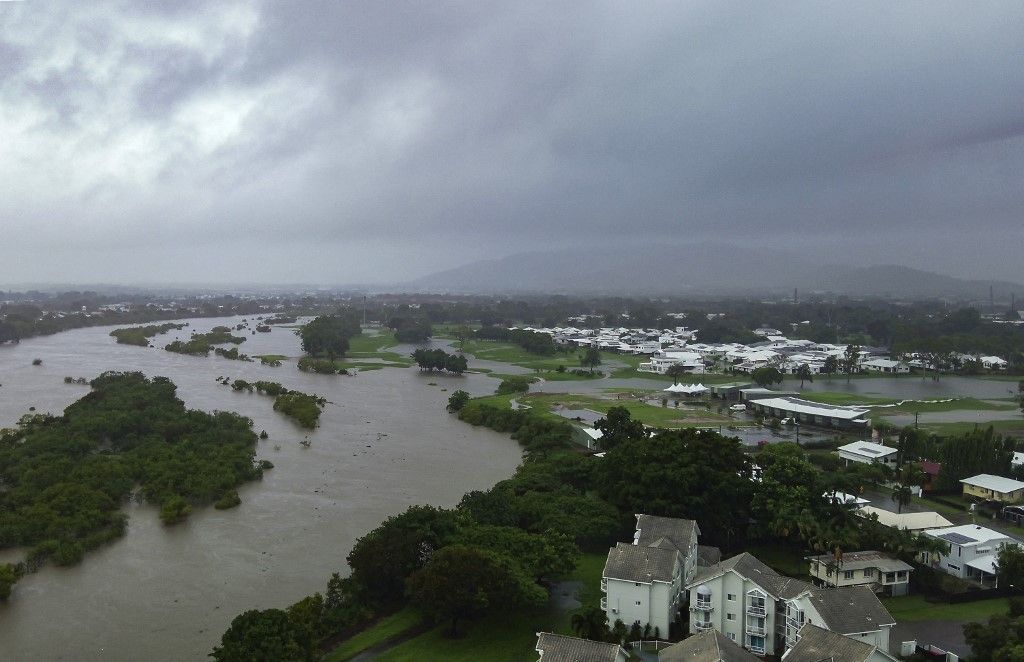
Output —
<point x="385" y="442"/>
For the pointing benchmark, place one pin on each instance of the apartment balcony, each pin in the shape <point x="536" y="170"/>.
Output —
<point x="756" y="650"/>
<point x="604" y="603"/>
<point x="700" y="626"/>
<point x="756" y="610"/>
<point x="706" y="607"/>
<point x="755" y="630"/>
<point x="604" y="584"/>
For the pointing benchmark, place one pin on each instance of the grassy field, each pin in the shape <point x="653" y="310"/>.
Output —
<point x="876" y="402"/>
<point x="1011" y="427"/>
<point x="384" y="629"/>
<point x="665" y="417"/>
<point x="915" y="608"/>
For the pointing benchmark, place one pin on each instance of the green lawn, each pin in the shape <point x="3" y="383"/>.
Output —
<point x="664" y="417"/>
<point x="384" y="629"/>
<point x="915" y="608"/>
<point x="1012" y="427"/>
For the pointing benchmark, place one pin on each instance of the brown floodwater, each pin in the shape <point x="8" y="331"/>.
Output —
<point x="384" y="443"/>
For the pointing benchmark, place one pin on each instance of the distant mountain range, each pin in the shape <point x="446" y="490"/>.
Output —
<point x="697" y="269"/>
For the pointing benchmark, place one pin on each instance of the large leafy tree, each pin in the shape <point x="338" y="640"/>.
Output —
<point x="1001" y="639"/>
<point x="264" y="636"/>
<point x="766" y="376"/>
<point x="461" y="583"/>
<point x="591" y="358"/>
<point x="1010" y="566"/>
<point x="328" y="335"/>
<point x="695" y="474"/>
<point x="788" y="500"/>
<point x="618" y="426"/>
<point x="383" y="558"/>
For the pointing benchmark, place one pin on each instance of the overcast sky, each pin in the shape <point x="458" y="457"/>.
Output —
<point x="343" y="142"/>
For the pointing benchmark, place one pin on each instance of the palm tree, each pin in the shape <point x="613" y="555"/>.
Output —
<point x="902" y="495"/>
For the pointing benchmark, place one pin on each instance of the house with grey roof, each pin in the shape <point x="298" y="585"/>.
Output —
<point x="854" y="612"/>
<point x="880" y="572"/>
<point x="820" y="645"/>
<point x="738" y="597"/>
<point x="560" y="648"/>
<point x="643" y="581"/>
<point x="708" y="646"/>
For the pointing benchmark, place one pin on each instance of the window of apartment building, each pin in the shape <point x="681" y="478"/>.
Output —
<point x="848" y="574"/>
<point x="869" y="572"/>
<point x="731" y="597"/>
<point x="637" y="603"/>
<point x="730" y="617"/>
<point x="731" y="636"/>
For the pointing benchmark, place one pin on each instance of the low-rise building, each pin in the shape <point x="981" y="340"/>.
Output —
<point x="906" y="521"/>
<point x="972" y="554"/>
<point x="820" y="645"/>
<point x="879" y="572"/>
<point x="560" y="648"/>
<point x="993" y="488"/>
<point x="867" y="452"/>
<point x="813" y="413"/>
<point x="887" y="366"/>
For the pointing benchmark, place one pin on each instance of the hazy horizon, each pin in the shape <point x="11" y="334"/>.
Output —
<point x="339" y="144"/>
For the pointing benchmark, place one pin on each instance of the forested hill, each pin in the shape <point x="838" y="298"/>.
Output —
<point x="696" y="270"/>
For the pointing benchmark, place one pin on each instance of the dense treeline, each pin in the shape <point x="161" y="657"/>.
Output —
<point x="200" y="344"/>
<point x="411" y="328"/>
<point x="321" y="366"/>
<point x="65" y="478"/>
<point x="531" y="341"/>
<point x="438" y="359"/>
<point x="140" y="335"/>
<point x="327" y="335"/>
<point x="301" y="407"/>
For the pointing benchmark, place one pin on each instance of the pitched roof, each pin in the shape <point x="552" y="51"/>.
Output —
<point x="665" y="532"/>
<point x="911" y="521"/>
<point x="634" y="563"/>
<point x="748" y="566"/>
<point x="850" y="610"/>
<point x="819" y="645"/>
<point x="560" y="648"/>
<point x="708" y="646"/>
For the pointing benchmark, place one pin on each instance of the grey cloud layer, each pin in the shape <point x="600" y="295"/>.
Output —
<point x="403" y="137"/>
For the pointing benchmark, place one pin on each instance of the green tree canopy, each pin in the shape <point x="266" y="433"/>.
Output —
<point x="461" y="583"/>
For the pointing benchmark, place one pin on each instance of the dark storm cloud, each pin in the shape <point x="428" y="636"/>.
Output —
<point x="404" y="137"/>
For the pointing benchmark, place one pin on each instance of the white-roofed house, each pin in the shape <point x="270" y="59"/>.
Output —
<point x="888" y="366"/>
<point x="972" y="551"/>
<point x="867" y="452"/>
<point x="993" y="488"/>
<point x="907" y="521"/>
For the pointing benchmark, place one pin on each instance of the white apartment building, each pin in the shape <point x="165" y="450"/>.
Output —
<point x="665" y="359"/>
<point x="739" y="597"/>
<point x="643" y="581"/>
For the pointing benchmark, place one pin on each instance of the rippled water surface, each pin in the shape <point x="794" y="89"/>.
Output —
<point x="167" y="593"/>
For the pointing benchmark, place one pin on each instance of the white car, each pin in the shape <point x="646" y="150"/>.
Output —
<point x="738" y="408"/>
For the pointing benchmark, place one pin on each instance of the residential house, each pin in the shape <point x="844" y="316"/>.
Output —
<point x="887" y="366"/>
<point x="740" y="598"/>
<point x="972" y="551"/>
<point x="993" y="488"/>
<point x="643" y="581"/>
<point x="880" y="572"/>
<point x="906" y="521"/>
<point x="659" y="364"/>
<point x="854" y="612"/>
<point x="560" y="648"/>
<point x="708" y="646"/>
<point x="820" y="645"/>
<point x="867" y="452"/>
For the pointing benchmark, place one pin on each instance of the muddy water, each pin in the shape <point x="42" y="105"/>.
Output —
<point x="385" y="442"/>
